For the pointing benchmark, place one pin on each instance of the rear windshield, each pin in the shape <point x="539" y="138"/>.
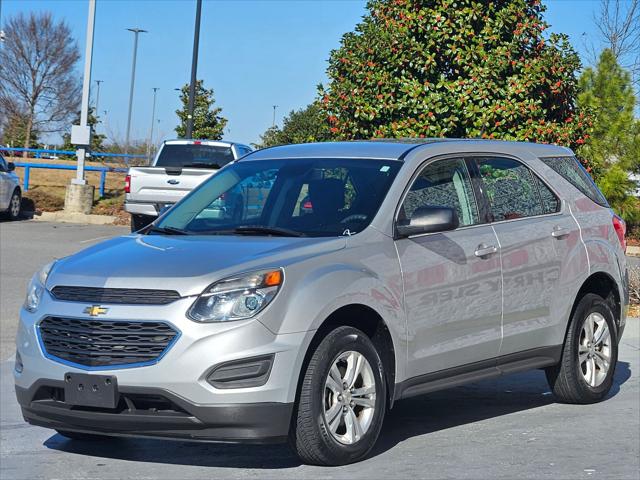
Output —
<point x="573" y="172"/>
<point x="192" y="155"/>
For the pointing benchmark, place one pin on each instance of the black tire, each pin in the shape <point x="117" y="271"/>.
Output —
<point x="310" y="436"/>
<point x="82" y="436"/>
<point x="13" y="213"/>
<point x="138" y="222"/>
<point x="566" y="379"/>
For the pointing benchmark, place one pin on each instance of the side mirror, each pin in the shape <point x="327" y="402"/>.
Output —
<point x="11" y="166"/>
<point x="429" y="220"/>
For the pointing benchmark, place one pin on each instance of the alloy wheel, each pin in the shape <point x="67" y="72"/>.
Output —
<point x="349" y="397"/>
<point x="594" y="350"/>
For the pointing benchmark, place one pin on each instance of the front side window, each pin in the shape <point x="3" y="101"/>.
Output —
<point x="510" y="189"/>
<point x="194" y="155"/>
<point x="296" y="197"/>
<point x="443" y="183"/>
<point x="570" y="169"/>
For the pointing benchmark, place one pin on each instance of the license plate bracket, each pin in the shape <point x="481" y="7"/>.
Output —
<point x="87" y="390"/>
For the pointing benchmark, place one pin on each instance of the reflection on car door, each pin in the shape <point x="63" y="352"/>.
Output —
<point x="5" y="185"/>
<point x="452" y="279"/>
<point x="535" y="234"/>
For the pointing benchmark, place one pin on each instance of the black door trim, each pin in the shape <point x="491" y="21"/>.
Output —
<point x="473" y="372"/>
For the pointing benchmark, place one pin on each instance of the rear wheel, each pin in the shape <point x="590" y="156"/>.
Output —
<point x="585" y="372"/>
<point x="342" y="400"/>
<point x="138" y="222"/>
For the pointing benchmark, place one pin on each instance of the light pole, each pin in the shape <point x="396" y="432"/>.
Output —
<point x="135" y="31"/>
<point x="194" y="69"/>
<point x="86" y="86"/>
<point x="273" y="124"/>
<point x="98" y="96"/>
<point x="153" y="115"/>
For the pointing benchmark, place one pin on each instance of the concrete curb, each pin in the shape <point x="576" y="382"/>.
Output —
<point x="66" y="217"/>
<point x="633" y="251"/>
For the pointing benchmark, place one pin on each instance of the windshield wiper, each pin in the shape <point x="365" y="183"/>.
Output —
<point x="167" y="230"/>
<point x="258" y="229"/>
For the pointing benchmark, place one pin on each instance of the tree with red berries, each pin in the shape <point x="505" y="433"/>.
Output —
<point x="454" y="68"/>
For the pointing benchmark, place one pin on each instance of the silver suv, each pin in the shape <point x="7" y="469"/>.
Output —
<point x="343" y="278"/>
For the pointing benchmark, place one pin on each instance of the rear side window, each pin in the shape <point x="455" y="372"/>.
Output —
<point x="510" y="188"/>
<point x="550" y="203"/>
<point x="570" y="169"/>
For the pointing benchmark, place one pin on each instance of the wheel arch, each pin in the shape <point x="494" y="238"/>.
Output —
<point x="602" y="284"/>
<point x="371" y="323"/>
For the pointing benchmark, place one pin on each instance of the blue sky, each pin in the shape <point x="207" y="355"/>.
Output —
<point x="254" y="53"/>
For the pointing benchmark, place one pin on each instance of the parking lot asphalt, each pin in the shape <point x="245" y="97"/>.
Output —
<point x="505" y="428"/>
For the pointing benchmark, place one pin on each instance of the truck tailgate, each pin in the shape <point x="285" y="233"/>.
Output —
<point x="164" y="185"/>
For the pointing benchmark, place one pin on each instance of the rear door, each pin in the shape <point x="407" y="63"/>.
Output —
<point x="535" y="233"/>
<point x="452" y="279"/>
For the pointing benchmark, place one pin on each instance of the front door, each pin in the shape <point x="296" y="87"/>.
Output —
<point x="452" y="280"/>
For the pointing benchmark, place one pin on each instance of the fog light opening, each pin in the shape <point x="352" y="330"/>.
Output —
<point x="18" y="367"/>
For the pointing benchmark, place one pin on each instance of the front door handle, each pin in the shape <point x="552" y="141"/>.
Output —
<point x="559" y="232"/>
<point x="483" y="251"/>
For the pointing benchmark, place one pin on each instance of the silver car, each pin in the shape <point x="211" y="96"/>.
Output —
<point x="354" y="275"/>
<point x="10" y="192"/>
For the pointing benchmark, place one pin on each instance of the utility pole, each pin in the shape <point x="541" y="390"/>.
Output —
<point x="86" y="86"/>
<point x="79" y="195"/>
<point x="153" y="116"/>
<point x="273" y="124"/>
<point x="135" y="31"/>
<point x="98" y="96"/>
<point x="194" y="70"/>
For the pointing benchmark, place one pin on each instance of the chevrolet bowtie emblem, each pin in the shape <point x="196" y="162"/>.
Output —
<point x="95" y="310"/>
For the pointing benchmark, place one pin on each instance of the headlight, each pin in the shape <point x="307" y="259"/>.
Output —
<point x="34" y="295"/>
<point x="237" y="298"/>
<point x="36" y="288"/>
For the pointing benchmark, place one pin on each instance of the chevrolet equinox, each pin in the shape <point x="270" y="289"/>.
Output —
<point x="303" y="290"/>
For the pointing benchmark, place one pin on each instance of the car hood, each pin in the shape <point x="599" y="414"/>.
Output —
<point x="187" y="264"/>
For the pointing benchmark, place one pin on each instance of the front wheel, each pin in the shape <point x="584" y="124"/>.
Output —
<point x="590" y="353"/>
<point x="342" y="400"/>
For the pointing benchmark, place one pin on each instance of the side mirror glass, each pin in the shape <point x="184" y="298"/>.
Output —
<point x="11" y="166"/>
<point x="428" y="220"/>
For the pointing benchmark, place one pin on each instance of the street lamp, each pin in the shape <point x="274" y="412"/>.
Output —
<point x="98" y="96"/>
<point x="135" y="31"/>
<point x="274" y="116"/>
<point x="194" y="69"/>
<point x="153" y="115"/>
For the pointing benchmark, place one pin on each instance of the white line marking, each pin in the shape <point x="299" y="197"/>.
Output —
<point x="94" y="239"/>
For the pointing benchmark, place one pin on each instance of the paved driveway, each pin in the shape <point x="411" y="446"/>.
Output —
<point x="505" y="428"/>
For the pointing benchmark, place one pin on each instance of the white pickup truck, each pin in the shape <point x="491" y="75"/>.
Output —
<point x="179" y="167"/>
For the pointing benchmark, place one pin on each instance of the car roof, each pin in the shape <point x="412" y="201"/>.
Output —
<point x="191" y="141"/>
<point x="389" y="149"/>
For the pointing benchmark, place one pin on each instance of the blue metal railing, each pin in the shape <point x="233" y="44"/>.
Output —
<point x="39" y="151"/>
<point x="90" y="168"/>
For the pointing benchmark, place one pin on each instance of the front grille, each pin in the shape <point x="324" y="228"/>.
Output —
<point x="99" y="343"/>
<point x="129" y="296"/>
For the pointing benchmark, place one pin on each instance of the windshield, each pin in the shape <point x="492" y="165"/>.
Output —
<point x="301" y="197"/>
<point x="194" y="155"/>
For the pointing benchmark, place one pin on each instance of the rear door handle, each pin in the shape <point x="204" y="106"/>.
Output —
<point x="484" y="251"/>
<point x="559" y="232"/>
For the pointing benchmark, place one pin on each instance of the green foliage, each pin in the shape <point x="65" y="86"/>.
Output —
<point x="14" y="131"/>
<point x="97" y="139"/>
<point x="613" y="148"/>
<point x="207" y="121"/>
<point x="300" y="126"/>
<point x="454" y="68"/>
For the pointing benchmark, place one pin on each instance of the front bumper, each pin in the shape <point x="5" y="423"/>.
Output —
<point x="181" y="419"/>
<point x="180" y="377"/>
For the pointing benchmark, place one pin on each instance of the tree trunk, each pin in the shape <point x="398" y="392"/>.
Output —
<point x="27" y="139"/>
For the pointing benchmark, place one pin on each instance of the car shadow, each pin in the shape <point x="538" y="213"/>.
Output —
<point x="409" y="418"/>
